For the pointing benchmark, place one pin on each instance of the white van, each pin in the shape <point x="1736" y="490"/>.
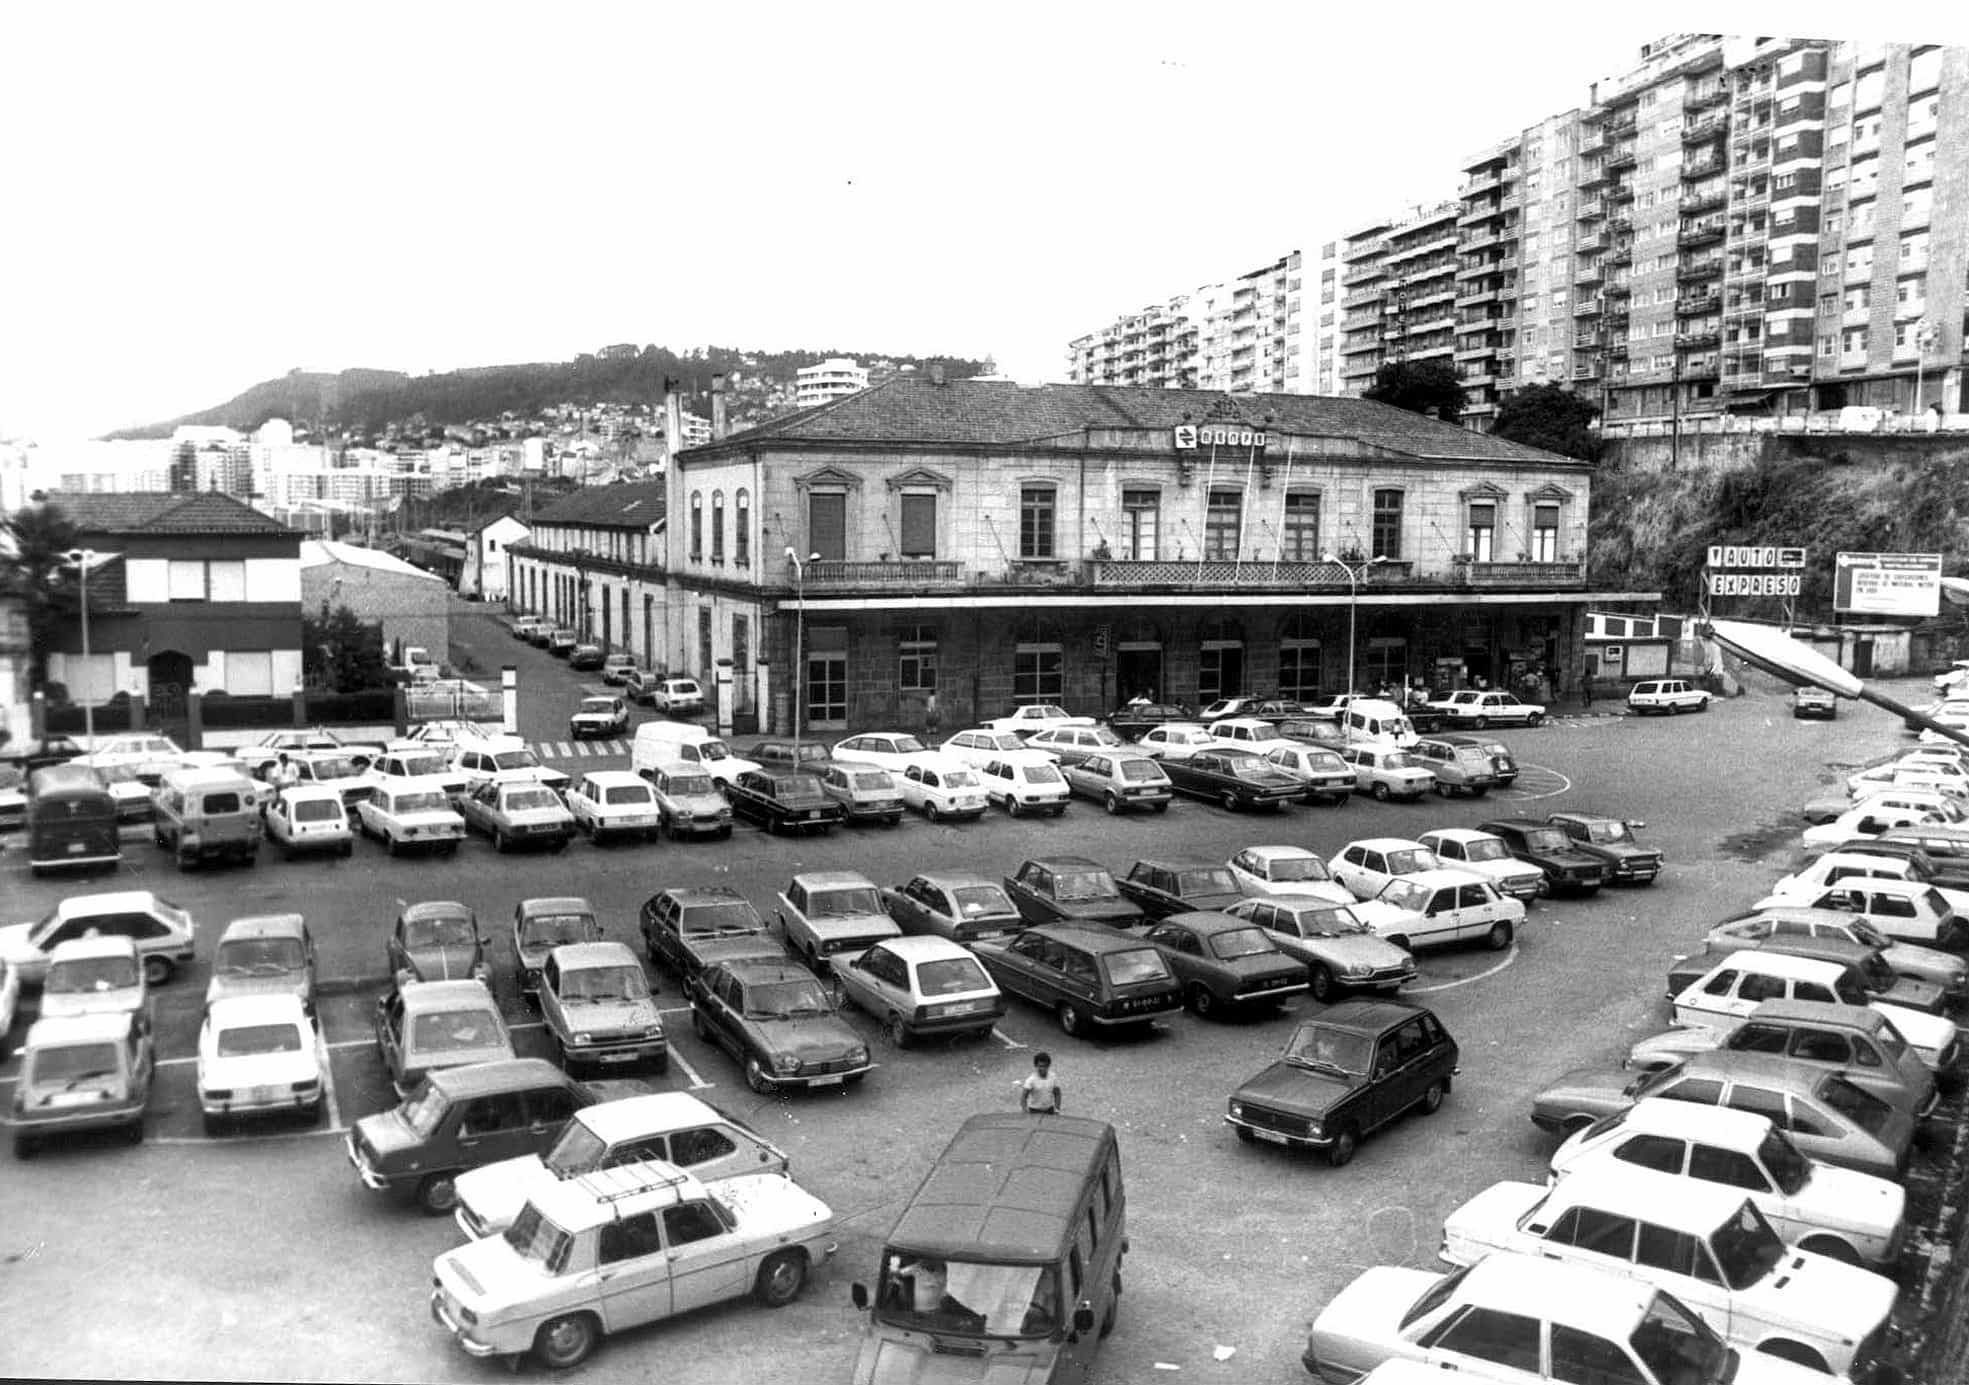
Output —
<point x="1372" y="721"/>
<point x="661" y="743"/>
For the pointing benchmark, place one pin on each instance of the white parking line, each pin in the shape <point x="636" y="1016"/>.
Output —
<point x="1509" y="958"/>
<point x="1005" y="1038"/>
<point x="328" y="1082"/>
<point x="698" y="1084"/>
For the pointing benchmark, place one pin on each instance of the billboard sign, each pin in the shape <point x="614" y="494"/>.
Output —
<point x="1887" y="584"/>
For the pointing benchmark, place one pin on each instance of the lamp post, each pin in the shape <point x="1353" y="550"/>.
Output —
<point x="82" y="557"/>
<point x="1353" y="571"/>
<point x="799" y="639"/>
<point x="1924" y="338"/>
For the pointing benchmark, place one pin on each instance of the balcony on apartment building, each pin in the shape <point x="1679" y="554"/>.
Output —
<point x="1706" y="97"/>
<point x="1706" y="128"/>
<point x="1590" y="209"/>
<point x="1704" y="231"/>
<point x="1588" y="307"/>
<point x="1586" y="370"/>
<point x="1618" y="191"/>
<point x="1703" y="339"/>
<point x="1697" y="201"/>
<point x="1620" y="253"/>
<point x="1620" y="157"/>
<point x="1704" y="367"/>
<point x="1492" y="291"/>
<point x="1697" y="302"/>
<point x="1702" y="167"/>
<point x="1593" y="173"/>
<point x="1699" y="267"/>
<point x="1361" y="274"/>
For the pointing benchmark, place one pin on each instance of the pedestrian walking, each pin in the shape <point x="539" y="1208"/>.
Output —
<point x="1039" y="1094"/>
<point x="1586" y="685"/>
<point x="932" y="717"/>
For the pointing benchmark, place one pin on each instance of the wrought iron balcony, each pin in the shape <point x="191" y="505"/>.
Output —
<point x="910" y="574"/>
<point x="1521" y="574"/>
<point x="1233" y="575"/>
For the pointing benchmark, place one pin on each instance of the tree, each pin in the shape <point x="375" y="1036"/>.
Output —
<point x="1551" y="417"/>
<point x="340" y="653"/>
<point x="1421" y="387"/>
<point x="35" y="566"/>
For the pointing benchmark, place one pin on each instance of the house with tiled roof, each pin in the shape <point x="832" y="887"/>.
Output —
<point x="187" y="590"/>
<point x="484" y="575"/>
<point x="593" y="561"/>
<point x="996" y="544"/>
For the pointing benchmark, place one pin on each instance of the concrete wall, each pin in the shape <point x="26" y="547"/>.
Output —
<point x="1730" y="451"/>
<point x="413" y="610"/>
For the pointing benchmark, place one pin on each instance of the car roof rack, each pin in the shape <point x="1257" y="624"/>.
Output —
<point x="620" y="1181"/>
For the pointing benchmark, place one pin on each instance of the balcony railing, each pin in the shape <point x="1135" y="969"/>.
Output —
<point x="1521" y="574"/>
<point x="1230" y="573"/>
<point x="910" y="574"/>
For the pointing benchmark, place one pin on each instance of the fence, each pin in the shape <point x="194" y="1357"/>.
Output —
<point x="1867" y="420"/>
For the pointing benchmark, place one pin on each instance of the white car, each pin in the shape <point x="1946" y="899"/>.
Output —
<point x="1366" y="865"/>
<point x="1282" y="870"/>
<point x="1704" y="1243"/>
<point x="979" y="748"/>
<point x="1925" y="775"/>
<point x="1440" y="908"/>
<point x="1489" y="857"/>
<point x="10" y="995"/>
<point x="1072" y="744"/>
<point x="674" y="695"/>
<point x="1834" y="866"/>
<point x="443" y="734"/>
<point x="151" y="756"/>
<point x="1903" y="909"/>
<point x="1815" y="1206"/>
<point x="1175" y="740"/>
<point x="164" y="932"/>
<point x="258" y="1055"/>
<point x="1944" y="969"/>
<point x="266" y="751"/>
<point x="894" y="751"/>
<point x="1328" y="778"/>
<point x="1668" y="696"/>
<point x="599" y="716"/>
<point x="1385" y="773"/>
<point x="96" y="975"/>
<point x="414" y="761"/>
<point x="1946" y="807"/>
<point x="1023" y="785"/>
<point x="613" y="802"/>
<point x="922" y="986"/>
<point x="309" y="817"/>
<point x="412" y="813"/>
<point x="1724" y="996"/>
<point x="942" y="788"/>
<point x="1028" y="717"/>
<point x="1247" y="733"/>
<point x="504" y="760"/>
<point x="1868" y="820"/>
<point x="1956" y="675"/>
<point x="1480" y="708"/>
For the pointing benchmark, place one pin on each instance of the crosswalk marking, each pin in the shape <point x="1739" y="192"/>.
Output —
<point x="579" y="750"/>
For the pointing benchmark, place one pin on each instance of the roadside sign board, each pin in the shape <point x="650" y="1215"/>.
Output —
<point x="1887" y="584"/>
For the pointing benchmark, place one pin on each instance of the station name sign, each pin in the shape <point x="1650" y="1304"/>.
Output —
<point x="1189" y="436"/>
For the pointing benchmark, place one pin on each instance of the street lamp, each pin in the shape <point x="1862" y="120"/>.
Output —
<point x="1924" y="338"/>
<point x="82" y="557"/>
<point x="799" y="637"/>
<point x="1353" y="571"/>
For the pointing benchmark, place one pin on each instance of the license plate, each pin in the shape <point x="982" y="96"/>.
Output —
<point x="811" y="814"/>
<point x="616" y="1057"/>
<point x="77" y="848"/>
<point x="1272" y="1135"/>
<point x="832" y="1079"/>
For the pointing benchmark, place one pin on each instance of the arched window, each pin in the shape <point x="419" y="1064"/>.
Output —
<point x="697" y="526"/>
<point x="717" y="526"/>
<point x="742" y="531"/>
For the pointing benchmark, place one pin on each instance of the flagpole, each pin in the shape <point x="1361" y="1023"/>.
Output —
<point x="1203" y="544"/>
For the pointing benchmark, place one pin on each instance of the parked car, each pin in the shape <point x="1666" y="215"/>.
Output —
<point x="598" y="716"/>
<point x="1163" y="885"/>
<point x="150" y="755"/>
<point x="688" y="801"/>
<point x="863" y="792"/>
<point x="424" y="1026"/>
<point x="206" y="815"/>
<point x="1365" y="865"/>
<point x="978" y="748"/>
<point x="263" y="954"/>
<point x="955" y="906"/>
<point x="828" y="915"/>
<point x="922" y="986"/>
<point x="95" y="976"/>
<point x="83" y="1072"/>
<point x="163" y="932"/>
<point x="438" y="940"/>
<point x="39" y="752"/>
<point x="10" y="994"/>
<point x="1029" y="717"/>
<point x="1905" y="910"/>
<point x="258" y="1055"/>
<point x="501" y="760"/>
<point x="1226" y="963"/>
<point x="598" y="1008"/>
<point x="1070" y="745"/>
<point x="608" y="803"/>
<point x="1907" y="800"/>
<point x="1345" y="1074"/>
<point x="1309" y="729"/>
<point x="1612" y="840"/>
<point x="1175" y="740"/>
<point x="809" y="757"/>
<point x="687" y="928"/>
<point x="1931" y="964"/>
<point x="1567" y="870"/>
<point x="783" y="801"/>
<point x="257" y="758"/>
<point x="1905" y="859"/>
<point x="1069" y="889"/>
<point x="1327" y="777"/>
<point x="540" y="925"/>
<point x="1087" y="977"/>
<point x="943" y="789"/>
<point x="312" y="818"/>
<point x="1023" y="786"/>
<point x="1485" y="854"/>
<point x="894" y="751"/>
<point x="1440" y="908"/>
<point x="586" y="655"/>
<point x="1131" y="721"/>
<point x="1503" y="763"/>
<point x="615" y="667"/>
<point x="561" y="642"/>
<point x="1235" y="780"/>
<point x="532" y="629"/>
<point x="1868" y="964"/>
<point x="1458" y="767"/>
<point x="1338" y="949"/>
<point x="1385" y="773"/>
<point x="779" y="1024"/>
<point x="1667" y="696"/>
<point x="676" y="696"/>
<point x="518" y="813"/>
<point x="639" y="684"/>
<point x="1293" y="870"/>
<point x="333" y="769"/>
<point x="1247" y="733"/>
<point x="409" y="813"/>
<point x="1867" y="819"/>
<point x="1481" y="708"/>
<point x="1120" y="782"/>
<point x="676" y="1127"/>
<point x="1808" y="700"/>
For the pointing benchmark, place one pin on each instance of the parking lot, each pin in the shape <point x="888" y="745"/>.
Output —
<point x="257" y="1254"/>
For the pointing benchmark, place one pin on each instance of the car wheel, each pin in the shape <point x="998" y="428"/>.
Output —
<point x="1341" y="1152"/>
<point x="1479" y="790"/>
<point x="1160" y="807"/>
<point x="565" y="1342"/>
<point x="1703" y="705"/>
<point x="498" y="841"/>
<point x="1442" y="789"/>
<point x="1201" y="1000"/>
<point x="930" y="811"/>
<point x="1499" y="937"/>
<point x="1013" y="808"/>
<point x="211" y="1124"/>
<point x="1245" y="1135"/>
<point x="1432" y="1099"/>
<point x="756" y="1079"/>
<point x="1481" y="724"/>
<point x="897" y="1031"/>
<point x="157" y="970"/>
<point x="1675" y="709"/>
<point x="450" y="848"/>
<point x="391" y="846"/>
<point x="438" y="1194"/>
<point x="781" y="1278"/>
<point x="1320" y="984"/>
<point x="725" y="833"/>
<point x="1229" y="802"/>
<point x="1111" y="803"/>
<point x="1070" y="1020"/>
<point x="1380" y="792"/>
<point x="1795" y="1352"/>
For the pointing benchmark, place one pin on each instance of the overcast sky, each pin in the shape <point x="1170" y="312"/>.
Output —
<point x="202" y="196"/>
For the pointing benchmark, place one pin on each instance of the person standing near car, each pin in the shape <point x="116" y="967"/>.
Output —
<point x="1040" y="1093"/>
<point x="932" y="717"/>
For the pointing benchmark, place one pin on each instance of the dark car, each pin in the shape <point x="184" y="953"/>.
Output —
<point x="1089" y="977"/>
<point x="1355" y="1068"/>
<point x="1056" y="889"/>
<point x="543" y="924"/>
<point x="1612" y="840"/>
<point x="1320" y="731"/>
<point x="1236" y="779"/>
<point x="959" y="907"/>
<point x="781" y="799"/>
<point x="1131" y="721"/>
<point x="438" y="940"/>
<point x="1276" y="709"/>
<point x="689" y="928"/>
<point x="1226" y="963"/>
<point x="29" y="755"/>
<point x="586" y="656"/>
<point x="805" y="755"/>
<point x="1166" y="885"/>
<point x="463" y="1118"/>
<point x="1568" y="870"/>
<point x="777" y="1020"/>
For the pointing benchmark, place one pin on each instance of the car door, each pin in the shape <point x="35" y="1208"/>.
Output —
<point x="1179" y="948"/>
<point x="1442" y="916"/>
<point x="632" y="1271"/>
<point x="494" y="1127"/>
<point x="867" y="981"/>
<point x="548" y="1110"/>
<point x="1478" y="907"/>
<point x="1032" y="967"/>
<point x="389" y="1031"/>
<point x="707" y="1262"/>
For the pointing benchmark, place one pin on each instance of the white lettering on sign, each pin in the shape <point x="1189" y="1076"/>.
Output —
<point x="1755" y="583"/>
<point x="1230" y="437"/>
<point x="1753" y="556"/>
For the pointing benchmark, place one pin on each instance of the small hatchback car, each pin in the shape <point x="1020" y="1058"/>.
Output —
<point x="1087" y="976"/>
<point x="258" y="1055"/>
<point x="264" y="954"/>
<point x="85" y="1072"/>
<point x="920" y="986"/>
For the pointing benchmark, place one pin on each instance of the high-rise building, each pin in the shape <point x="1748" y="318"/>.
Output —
<point x="1155" y="347"/>
<point x="834" y="378"/>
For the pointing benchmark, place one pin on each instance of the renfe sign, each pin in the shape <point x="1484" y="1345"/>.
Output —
<point x="1887" y="584"/>
<point x="1189" y="435"/>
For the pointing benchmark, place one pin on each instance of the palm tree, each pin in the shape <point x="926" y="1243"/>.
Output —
<point x="35" y="541"/>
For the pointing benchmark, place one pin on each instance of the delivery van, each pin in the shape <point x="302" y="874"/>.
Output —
<point x="1372" y="721"/>
<point x="661" y="743"/>
<point x="206" y="814"/>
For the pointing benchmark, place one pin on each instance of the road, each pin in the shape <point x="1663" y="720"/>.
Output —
<point x="258" y="1255"/>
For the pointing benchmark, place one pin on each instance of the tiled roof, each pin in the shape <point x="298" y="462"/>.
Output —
<point x="911" y="409"/>
<point x="630" y="505"/>
<point x="164" y="512"/>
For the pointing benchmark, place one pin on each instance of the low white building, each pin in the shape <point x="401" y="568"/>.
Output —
<point x="484" y="573"/>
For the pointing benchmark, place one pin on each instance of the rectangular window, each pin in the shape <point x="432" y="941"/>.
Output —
<point x="186" y="581"/>
<point x="1036" y="514"/>
<point x="919" y="526"/>
<point x="1298" y="670"/>
<point x="697" y="528"/>
<point x="1479" y="540"/>
<point x="1545" y="533"/>
<point x="917" y="669"/>
<point x="1140" y="513"/>
<point x="225" y="581"/>
<point x="742" y="532"/>
<point x="717" y="526"/>
<point x="1221" y="523"/>
<point x="827" y="525"/>
<point x="1038" y="673"/>
<point x="1386" y="535"/>
<point x="1299" y="541"/>
<point x="249" y="674"/>
<point x="741" y="655"/>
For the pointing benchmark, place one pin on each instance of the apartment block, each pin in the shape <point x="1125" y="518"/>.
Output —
<point x="833" y="378"/>
<point x="1155" y="348"/>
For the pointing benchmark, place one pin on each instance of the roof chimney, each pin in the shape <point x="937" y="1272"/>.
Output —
<point x="673" y="418"/>
<point x="717" y="407"/>
<point x="936" y="372"/>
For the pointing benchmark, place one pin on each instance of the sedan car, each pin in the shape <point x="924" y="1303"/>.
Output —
<point x="1384" y="773"/>
<point x="151" y="756"/>
<point x="1338" y="949"/>
<point x="415" y="760"/>
<point x="1267" y="870"/>
<point x="894" y="751"/>
<point x="955" y="906"/>
<point x="1175" y="740"/>
<point x="598" y="716"/>
<point x="614" y="803"/>
<point x="1439" y="908"/>
<point x="544" y="923"/>
<point x="941" y="788"/>
<point x="405" y="814"/>
<point x="1811" y="701"/>
<point x="38" y="753"/>
<point x="1069" y="889"/>
<point x="687" y="928"/>
<point x="1165" y="885"/>
<point x="806" y="756"/>
<point x="1366" y="865"/>
<point x="1226" y="963"/>
<point x="1612" y="840"/>
<point x="689" y="801"/>
<point x="598" y="1008"/>
<point x="830" y="914"/>
<point x="258" y="1055"/>
<point x="586" y="655"/>
<point x="783" y="801"/>
<point x="163" y="932"/>
<point x="437" y="940"/>
<point x="268" y="749"/>
<point x="519" y="813"/>
<point x="1131" y="721"/>
<point x="1073" y="744"/>
<point x="1120" y="782"/>
<point x="1327" y="777"/>
<point x="1488" y="856"/>
<point x="1029" y="717"/>
<point x="923" y="986"/>
<point x="979" y="747"/>
<point x="427" y="1025"/>
<point x="1567" y="870"/>
<point x="264" y="954"/>
<point x="778" y="1023"/>
<point x="1487" y="707"/>
<point x="1234" y="779"/>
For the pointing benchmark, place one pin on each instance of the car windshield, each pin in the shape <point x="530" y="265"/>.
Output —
<point x="439" y="1031"/>
<point x="444" y="930"/>
<point x="259" y="956"/>
<point x="1856" y="1104"/>
<point x="598" y="704"/>
<point x="1042" y="774"/>
<point x="1790" y="1168"/>
<point x="1246" y="768"/>
<point x="1324" y="1048"/>
<point x="951" y="976"/>
<point x="1325" y="762"/>
<point x="1932" y="900"/>
<point x="1144" y="771"/>
<point x="997" y="740"/>
<point x="1407" y="861"/>
<point x="797" y="788"/>
<point x="1137" y="964"/>
<point x="874" y="782"/>
<point x="531" y="800"/>
<point x="71" y="1063"/>
<point x="1046" y="711"/>
<point x="604" y="984"/>
<point x="423" y="1110"/>
<point x="626" y="793"/>
<point x="417" y="803"/>
<point x="1606" y="831"/>
<point x="1485" y="849"/>
<point x="1746" y="1247"/>
<point x="778" y="1000"/>
<point x="714" y="750"/>
<point x="980" y="901"/>
<point x="533" y="1237"/>
<point x="86" y="974"/>
<point x="552" y="930"/>
<point x="1296" y="868"/>
<point x="1679" y="1348"/>
<point x="1214" y="880"/>
<point x="839" y="903"/>
<point x="899" y="745"/>
<point x="333" y="767"/>
<point x="579" y="1150"/>
<point x="1104" y="737"/>
<point x="515" y="759"/>
<point x="1084" y="884"/>
<point x="686" y="784"/>
<point x="249" y="1040"/>
<point x="964" y="1298"/>
<point x="1404" y="894"/>
<point x="326" y="809"/>
<point x="1241" y="942"/>
<point x="710" y="920"/>
<point x="1546" y="839"/>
